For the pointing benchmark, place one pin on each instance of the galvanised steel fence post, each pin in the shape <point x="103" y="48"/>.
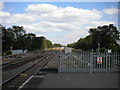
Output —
<point x="91" y="62"/>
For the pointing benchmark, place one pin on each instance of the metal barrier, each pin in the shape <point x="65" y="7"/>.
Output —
<point x="89" y="62"/>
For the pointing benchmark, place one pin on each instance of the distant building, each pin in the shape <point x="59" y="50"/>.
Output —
<point x="15" y="52"/>
<point x="68" y="50"/>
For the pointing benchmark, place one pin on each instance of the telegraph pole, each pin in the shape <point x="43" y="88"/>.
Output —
<point x="99" y="40"/>
<point x="98" y="47"/>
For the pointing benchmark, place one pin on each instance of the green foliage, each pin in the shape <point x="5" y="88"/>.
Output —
<point x="57" y="45"/>
<point x="72" y="45"/>
<point x="17" y="38"/>
<point x="82" y="43"/>
<point x="47" y="44"/>
<point x="7" y="39"/>
<point x="107" y="36"/>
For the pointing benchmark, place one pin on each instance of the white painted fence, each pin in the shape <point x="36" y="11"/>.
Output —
<point x="89" y="62"/>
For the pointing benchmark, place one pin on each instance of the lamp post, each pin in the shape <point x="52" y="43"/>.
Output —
<point x="99" y="40"/>
<point x="98" y="47"/>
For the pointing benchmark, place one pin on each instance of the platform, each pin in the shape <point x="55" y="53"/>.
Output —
<point x="49" y="77"/>
<point x="55" y="80"/>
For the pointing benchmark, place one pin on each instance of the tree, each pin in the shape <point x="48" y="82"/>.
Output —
<point x="38" y="43"/>
<point x="72" y="45"/>
<point x="7" y="39"/>
<point x="18" y="32"/>
<point x="48" y="44"/>
<point x="17" y="38"/>
<point x="57" y="45"/>
<point x="107" y="36"/>
<point x="82" y="43"/>
<point x="29" y="41"/>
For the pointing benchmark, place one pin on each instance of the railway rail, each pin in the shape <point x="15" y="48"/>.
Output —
<point x="17" y="61"/>
<point x="13" y="69"/>
<point x="17" y="80"/>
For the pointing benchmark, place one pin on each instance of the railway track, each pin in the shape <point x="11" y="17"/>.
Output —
<point x="11" y="64"/>
<point x="19" y="61"/>
<point x="14" y="69"/>
<point x="17" y="80"/>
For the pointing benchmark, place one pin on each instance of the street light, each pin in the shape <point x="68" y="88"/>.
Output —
<point x="99" y="40"/>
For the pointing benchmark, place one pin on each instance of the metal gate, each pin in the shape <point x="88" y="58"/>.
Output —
<point x="89" y="62"/>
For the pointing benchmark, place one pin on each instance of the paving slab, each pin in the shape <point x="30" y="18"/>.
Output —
<point x="73" y="80"/>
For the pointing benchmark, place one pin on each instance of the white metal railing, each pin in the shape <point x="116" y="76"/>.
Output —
<point x="89" y="62"/>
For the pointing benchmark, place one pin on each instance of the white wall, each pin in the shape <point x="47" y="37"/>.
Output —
<point x="14" y="52"/>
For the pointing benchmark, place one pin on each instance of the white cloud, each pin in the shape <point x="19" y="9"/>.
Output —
<point x="71" y="37"/>
<point x="1" y="5"/>
<point x="21" y="18"/>
<point x="8" y="18"/>
<point x="101" y="23"/>
<point x="4" y="14"/>
<point x="70" y="14"/>
<point x="53" y="18"/>
<point x="111" y="11"/>
<point x="41" y="8"/>
<point x="45" y="18"/>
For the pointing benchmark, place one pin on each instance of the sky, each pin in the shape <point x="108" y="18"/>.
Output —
<point x="60" y="22"/>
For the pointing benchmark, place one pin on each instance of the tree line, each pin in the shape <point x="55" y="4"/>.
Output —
<point x="102" y="37"/>
<point x="15" y="37"/>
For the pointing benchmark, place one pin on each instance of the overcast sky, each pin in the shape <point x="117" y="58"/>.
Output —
<point x="60" y="22"/>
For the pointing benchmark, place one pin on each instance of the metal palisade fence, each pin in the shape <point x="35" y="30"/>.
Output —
<point x="88" y="62"/>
